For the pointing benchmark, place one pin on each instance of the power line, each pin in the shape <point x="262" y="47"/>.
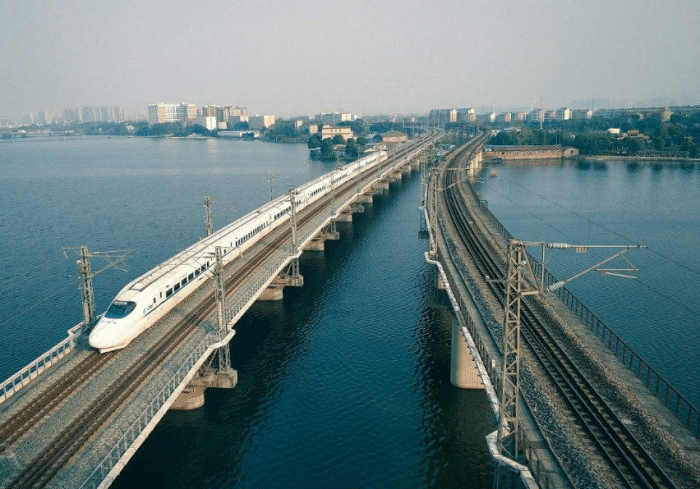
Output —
<point x="33" y="305"/>
<point x="590" y="221"/>
<point x="539" y="218"/>
<point x="669" y="298"/>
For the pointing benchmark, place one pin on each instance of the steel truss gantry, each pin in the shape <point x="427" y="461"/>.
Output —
<point x="521" y="281"/>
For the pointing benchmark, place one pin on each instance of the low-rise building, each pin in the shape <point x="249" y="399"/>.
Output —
<point x="394" y="137"/>
<point x="582" y="114"/>
<point x="240" y="134"/>
<point x="505" y="117"/>
<point x="330" y="131"/>
<point x="529" y="152"/>
<point x="536" y="115"/>
<point x="563" y="114"/>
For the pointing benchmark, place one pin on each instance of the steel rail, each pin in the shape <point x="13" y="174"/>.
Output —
<point x="625" y="453"/>
<point x="57" y="454"/>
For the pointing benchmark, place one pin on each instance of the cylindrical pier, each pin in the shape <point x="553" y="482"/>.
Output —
<point x="463" y="372"/>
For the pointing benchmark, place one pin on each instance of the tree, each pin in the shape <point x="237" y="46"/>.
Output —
<point x="362" y="141"/>
<point x="282" y="130"/>
<point x="357" y="126"/>
<point x="314" y="141"/>
<point x="338" y="139"/>
<point x="327" y="150"/>
<point x="634" y="145"/>
<point x="385" y="126"/>
<point x="351" y="148"/>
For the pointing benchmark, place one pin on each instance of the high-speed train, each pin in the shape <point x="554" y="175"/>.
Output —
<point x="148" y="298"/>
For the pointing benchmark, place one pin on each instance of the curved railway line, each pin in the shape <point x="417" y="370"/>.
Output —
<point x="73" y="437"/>
<point x="629" y="463"/>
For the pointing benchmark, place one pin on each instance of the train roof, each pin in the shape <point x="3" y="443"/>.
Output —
<point x="203" y="250"/>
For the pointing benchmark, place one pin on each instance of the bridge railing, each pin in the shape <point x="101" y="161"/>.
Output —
<point x="679" y="406"/>
<point x="155" y="408"/>
<point x="39" y="365"/>
<point x="141" y="423"/>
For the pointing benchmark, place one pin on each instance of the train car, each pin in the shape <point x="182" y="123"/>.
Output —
<point x="142" y="302"/>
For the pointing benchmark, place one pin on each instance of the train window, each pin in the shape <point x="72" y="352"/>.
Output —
<point x="184" y="281"/>
<point x="120" y="309"/>
<point x="154" y="300"/>
<point x="161" y="294"/>
<point x="177" y="287"/>
<point x="196" y="272"/>
<point x="168" y="293"/>
<point x="191" y="276"/>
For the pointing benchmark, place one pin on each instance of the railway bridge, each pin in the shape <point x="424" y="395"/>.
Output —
<point x="74" y="417"/>
<point x="576" y="407"/>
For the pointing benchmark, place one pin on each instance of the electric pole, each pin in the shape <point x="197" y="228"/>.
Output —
<point x="223" y="351"/>
<point x="87" y="292"/>
<point x="271" y="183"/>
<point x="210" y="225"/>
<point x="522" y="281"/>
<point x="114" y="259"/>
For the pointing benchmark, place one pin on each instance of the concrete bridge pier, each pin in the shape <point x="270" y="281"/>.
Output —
<point x="355" y="208"/>
<point x="192" y="396"/>
<point x="381" y="185"/>
<point x="317" y="243"/>
<point x="289" y="278"/>
<point x="463" y="371"/>
<point x="366" y="198"/>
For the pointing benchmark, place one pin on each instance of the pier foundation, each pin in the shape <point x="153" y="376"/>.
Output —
<point x="192" y="396"/>
<point x="318" y="242"/>
<point x="274" y="292"/>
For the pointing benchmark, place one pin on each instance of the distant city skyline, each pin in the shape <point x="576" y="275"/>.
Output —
<point x="391" y="57"/>
<point x="97" y="114"/>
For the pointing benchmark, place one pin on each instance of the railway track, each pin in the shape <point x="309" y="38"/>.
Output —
<point x="630" y="464"/>
<point x="57" y="453"/>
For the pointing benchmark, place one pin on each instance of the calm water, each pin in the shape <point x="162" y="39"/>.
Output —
<point x="343" y="384"/>
<point x="619" y="202"/>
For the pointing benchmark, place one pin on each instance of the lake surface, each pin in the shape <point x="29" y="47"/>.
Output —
<point x="345" y="383"/>
<point x="656" y="204"/>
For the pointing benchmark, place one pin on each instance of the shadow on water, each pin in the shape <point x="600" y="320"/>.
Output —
<point x="456" y="421"/>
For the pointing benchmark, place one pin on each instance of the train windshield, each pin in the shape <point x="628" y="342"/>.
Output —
<point x="120" y="309"/>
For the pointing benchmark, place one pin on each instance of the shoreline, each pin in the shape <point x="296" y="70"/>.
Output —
<point x="643" y="158"/>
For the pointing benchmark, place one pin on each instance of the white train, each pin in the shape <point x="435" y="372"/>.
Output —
<point x="148" y="298"/>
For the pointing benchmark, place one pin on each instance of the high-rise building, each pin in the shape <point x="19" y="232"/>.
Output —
<point x="43" y="118"/>
<point x="240" y="112"/>
<point x="261" y="121"/>
<point x="161" y="113"/>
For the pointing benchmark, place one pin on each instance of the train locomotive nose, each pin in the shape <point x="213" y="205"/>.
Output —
<point x="98" y="339"/>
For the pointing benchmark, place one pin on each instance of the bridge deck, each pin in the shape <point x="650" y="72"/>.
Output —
<point x="650" y="421"/>
<point x="21" y="454"/>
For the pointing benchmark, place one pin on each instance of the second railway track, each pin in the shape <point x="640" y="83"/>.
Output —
<point x="631" y="465"/>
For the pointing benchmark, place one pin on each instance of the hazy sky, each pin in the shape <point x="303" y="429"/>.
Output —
<point x="303" y="57"/>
